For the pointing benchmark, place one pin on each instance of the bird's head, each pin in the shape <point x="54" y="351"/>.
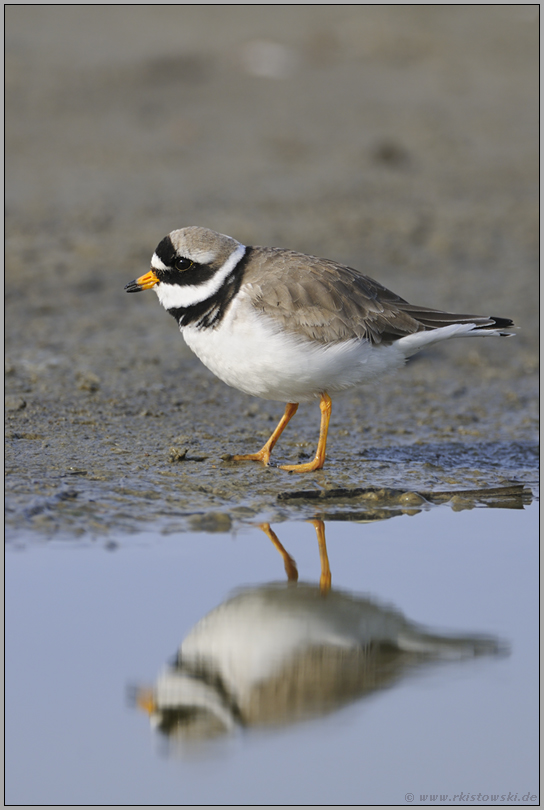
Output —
<point x="188" y="266"/>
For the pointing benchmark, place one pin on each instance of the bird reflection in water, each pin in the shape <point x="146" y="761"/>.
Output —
<point x="283" y="652"/>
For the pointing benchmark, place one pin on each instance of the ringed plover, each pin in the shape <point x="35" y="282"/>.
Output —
<point x="285" y="326"/>
<point x="281" y="652"/>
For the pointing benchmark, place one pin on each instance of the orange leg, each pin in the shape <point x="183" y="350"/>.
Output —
<point x="325" y="579"/>
<point x="264" y="452"/>
<point x="326" y="406"/>
<point x="289" y="563"/>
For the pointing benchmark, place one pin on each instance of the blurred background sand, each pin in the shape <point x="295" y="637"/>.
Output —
<point x="402" y="140"/>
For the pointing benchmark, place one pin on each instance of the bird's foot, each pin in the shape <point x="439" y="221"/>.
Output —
<point x="308" y="466"/>
<point x="263" y="455"/>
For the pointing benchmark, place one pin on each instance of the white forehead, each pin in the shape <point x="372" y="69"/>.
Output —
<point x="157" y="264"/>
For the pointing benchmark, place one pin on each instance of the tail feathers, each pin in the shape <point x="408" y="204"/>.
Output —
<point x="501" y="323"/>
<point x="491" y="324"/>
<point x="471" y="327"/>
<point x="497" y="324"/>
<point x="418" y="641"/>
<point x="435" y="319"/>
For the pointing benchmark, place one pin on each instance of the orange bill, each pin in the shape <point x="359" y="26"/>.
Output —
<point x="145" y="282"/>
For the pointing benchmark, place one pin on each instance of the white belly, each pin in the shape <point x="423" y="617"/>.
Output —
<point x="247" y="352"/>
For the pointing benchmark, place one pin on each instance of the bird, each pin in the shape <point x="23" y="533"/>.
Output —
<point x="281" y="652"/>
<point x="290" y="327"/>
<point x="274" y="655"/>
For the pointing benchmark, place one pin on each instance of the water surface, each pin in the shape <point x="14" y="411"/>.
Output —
<point x="91" y="621"/>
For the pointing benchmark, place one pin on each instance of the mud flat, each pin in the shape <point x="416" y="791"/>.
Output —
<point x="403" y="141"/>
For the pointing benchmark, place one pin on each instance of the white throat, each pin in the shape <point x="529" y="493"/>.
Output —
<point x="175" y="296"/>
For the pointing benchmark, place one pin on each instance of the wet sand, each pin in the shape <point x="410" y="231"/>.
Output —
<point x="400" y="140"/>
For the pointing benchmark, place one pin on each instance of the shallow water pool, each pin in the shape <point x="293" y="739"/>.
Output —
<point x="407" y="716"/>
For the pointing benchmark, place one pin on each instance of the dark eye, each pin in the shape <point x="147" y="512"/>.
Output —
<point x="182" y="264"/>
